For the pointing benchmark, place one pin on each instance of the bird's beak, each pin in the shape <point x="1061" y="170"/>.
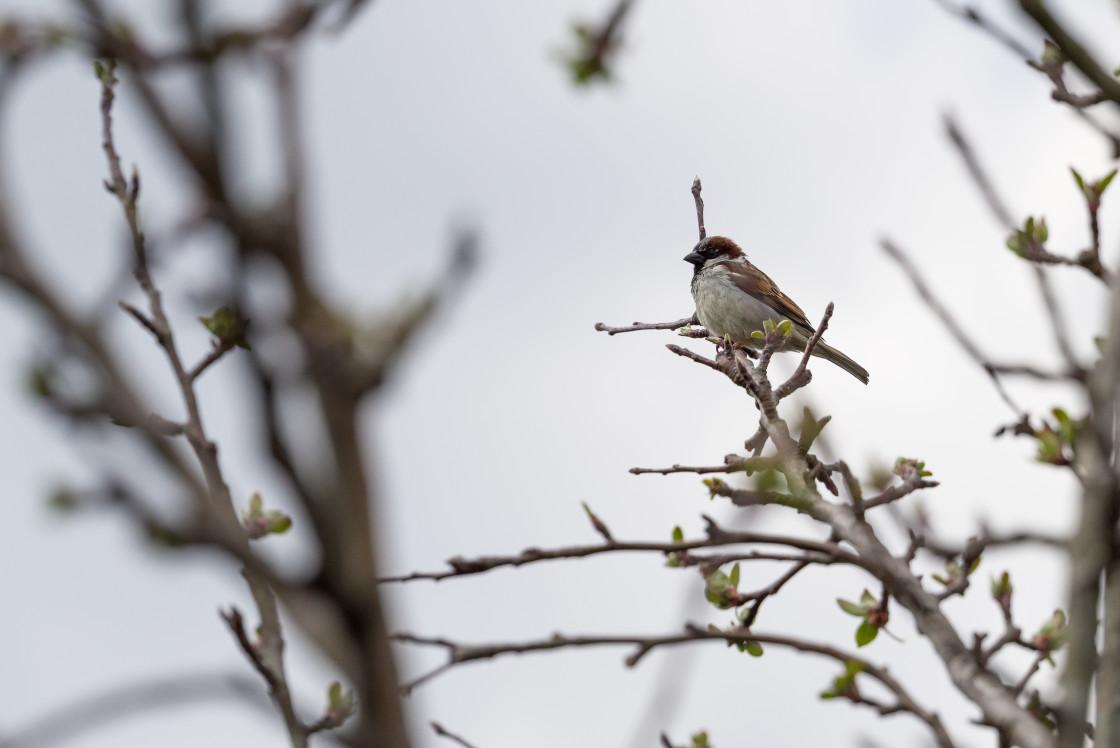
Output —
<point x="694" y="258"/>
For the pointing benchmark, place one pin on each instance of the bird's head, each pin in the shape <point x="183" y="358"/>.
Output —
<point x="713" y="249"/>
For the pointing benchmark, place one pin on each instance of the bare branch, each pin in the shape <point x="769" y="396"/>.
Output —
<point x="443" y="733"/>
<point x="696" y="187"/>
<point x="649" y="326"/>
<point x="459" y="654"/>
<point x="800" y="376"/>
<point x="716" y="537"/>
<point x="734" y="464"/>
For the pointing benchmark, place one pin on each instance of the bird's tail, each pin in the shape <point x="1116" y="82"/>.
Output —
<point x="828" y="353"/>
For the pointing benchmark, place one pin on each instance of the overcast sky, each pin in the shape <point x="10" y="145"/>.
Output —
<point x="817" y="130"/>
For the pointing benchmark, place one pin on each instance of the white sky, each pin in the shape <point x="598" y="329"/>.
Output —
<point x="816" y="130"/>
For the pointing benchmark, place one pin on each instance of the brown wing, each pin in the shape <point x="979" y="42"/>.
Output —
<point x="761" y="287"/>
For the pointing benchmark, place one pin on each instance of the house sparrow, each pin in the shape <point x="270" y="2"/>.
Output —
<point x="733" y="298"/>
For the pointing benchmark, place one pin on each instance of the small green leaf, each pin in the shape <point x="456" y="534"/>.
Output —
<point x="278" y="522"/>
<point x="851" y="608"/>
<point x="1102" y="185"/>
<point x="227" y="327"/>
<point x="735" y="575"/>
<point x="811" y="428"/>
<point x="715" y="588"/>
<point x="678" y="534"/>
<point x="38" y="381"/>
<point x="62" y="499"/>
<point x="867" y="599"/>
<point x="1015" y="243"/>
<point x="256" y="504"/>
<point x="785" y="327"/>
<point x="1077" y="178"/>
<point x="1002" y="589"/>
<point x="753" y="648"/>
<point x="866" y="634"/>
<point x="1052" y="56"/>
<point x="1041" y="233"/>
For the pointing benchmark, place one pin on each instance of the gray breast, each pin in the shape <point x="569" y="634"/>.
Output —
<point x="724" y="309"/>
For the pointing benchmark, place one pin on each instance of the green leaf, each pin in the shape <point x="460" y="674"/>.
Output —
<point x="784" y="327"/>
<point x="753" y="648"/>
<point x="867" y="599"/>
<point x="851" y="608"/>
<point x="1015" y="243"/>
<point x="278" y="522"/>
<point x="1102" y="185"/>
<point x="678" y="534"/>
<point x="227" y="327"/>
<point x="735" y="575"/>
<point x="866" y="634"/>
<point x="811" y="428"/>
<point x="256" y="504"/>
<point x="340" y="703"/>
<point x="62" y="499"/>
<point x="715" y="588"/>
<point x="1041" y="233"/>
<point x="1052" y="56"/>
<point x="1001" y="587"/>
<point x="1077" y="178"/>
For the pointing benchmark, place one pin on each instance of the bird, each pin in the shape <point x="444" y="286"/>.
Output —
<point x="734" y="298"/>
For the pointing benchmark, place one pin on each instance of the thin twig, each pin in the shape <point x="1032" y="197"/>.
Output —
<point x="647" y="326"/>
<point x="459" y="654"/>
<point x="716" y="536"/>
<point x="696" y="187"/>
<point x="947" y="320"/>
<point x="444" y="733"/>
<point x="801" y="376"/>
<point x="734" y="465"/>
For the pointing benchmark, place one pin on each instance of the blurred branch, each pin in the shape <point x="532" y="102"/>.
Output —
<point x="992" y="370"/>
<point x="596" y="46"/>
<point x="985" y="24"/>
<point x="73" y="720"/>
<point x="1072" y="49"/>
<point x="268" y="657"/>
<point x="444" y="733"/>
<point x="1046" y="64"/>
